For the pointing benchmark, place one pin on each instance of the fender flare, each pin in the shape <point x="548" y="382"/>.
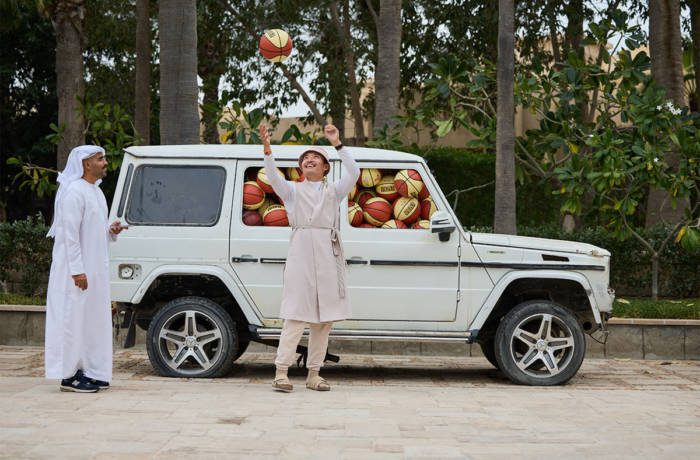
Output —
<point x="245" y="304"/>
<point x="505" y="281"/>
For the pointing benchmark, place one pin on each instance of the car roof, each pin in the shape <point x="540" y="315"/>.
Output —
<point x="254" y="152"/>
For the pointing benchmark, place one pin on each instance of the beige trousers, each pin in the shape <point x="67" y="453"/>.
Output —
<point x="290" y="337"/>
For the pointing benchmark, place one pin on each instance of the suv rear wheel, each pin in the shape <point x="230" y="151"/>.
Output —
<point x="192" y="337"/>
<point x="539" y="343"/>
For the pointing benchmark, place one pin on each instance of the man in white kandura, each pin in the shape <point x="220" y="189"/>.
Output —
<point x="78" y="310"/>
<point x="314" y="288"/>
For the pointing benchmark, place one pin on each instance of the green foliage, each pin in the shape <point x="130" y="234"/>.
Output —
<point x="26" y="251"/>
<point x="659" y="309"/>
<point x="9" y="298"/>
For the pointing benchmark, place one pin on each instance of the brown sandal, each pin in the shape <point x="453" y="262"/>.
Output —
<point x="282" y="384"/>
<point x="317" y="383"/>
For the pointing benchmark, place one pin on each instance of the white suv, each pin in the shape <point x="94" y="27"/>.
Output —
<point x="201" y="267"/>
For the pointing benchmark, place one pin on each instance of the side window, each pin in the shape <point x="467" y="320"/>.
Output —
<point x="176" y="195"/>
<point x="261" y="206"/>
<point x="390" y="199"/>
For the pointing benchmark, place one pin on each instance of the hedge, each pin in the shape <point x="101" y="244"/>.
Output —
<point x="25" y="255"/>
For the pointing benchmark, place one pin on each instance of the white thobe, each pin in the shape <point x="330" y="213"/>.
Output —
<point x="79" y="323"/>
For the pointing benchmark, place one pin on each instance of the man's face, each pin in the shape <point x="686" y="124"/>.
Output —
<point x="96" y="166"/>
<point x="314" y="166"/>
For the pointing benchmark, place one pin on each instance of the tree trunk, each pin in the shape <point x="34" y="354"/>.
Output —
<point x="387" y="75"/>
<point x="142" y="94"/>
<point x="573" y="35"/>
<point x="504" y="215"/>
<point x="67" y="19"/>
<point x="695" y="34"/>
<point x="179" y="111"/>
<point x="210" y="111"/>
<point x="346" y="39"/>
<point x="655" y="276"/>
<point x="667" y="69"/>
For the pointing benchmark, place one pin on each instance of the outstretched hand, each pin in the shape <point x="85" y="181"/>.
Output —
<point x="265" y="138"/>
<point x="332" y="134"/>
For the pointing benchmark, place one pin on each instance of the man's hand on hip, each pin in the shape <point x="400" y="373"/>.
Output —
<point x="80" y="281"/>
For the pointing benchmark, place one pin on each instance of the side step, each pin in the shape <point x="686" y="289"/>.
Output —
<point x="265" y="333"/>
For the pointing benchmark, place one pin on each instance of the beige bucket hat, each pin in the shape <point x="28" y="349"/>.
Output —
<point x="320" y="150"/>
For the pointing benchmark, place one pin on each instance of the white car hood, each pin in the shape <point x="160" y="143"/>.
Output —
<point x="542" y="244"/>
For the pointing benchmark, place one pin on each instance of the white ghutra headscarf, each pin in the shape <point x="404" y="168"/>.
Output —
<point x="72" y="172"/>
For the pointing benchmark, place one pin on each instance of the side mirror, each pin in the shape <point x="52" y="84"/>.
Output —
<point x="442" y="224"/>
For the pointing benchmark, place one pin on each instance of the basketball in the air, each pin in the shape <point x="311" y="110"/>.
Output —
<point x="408" y="182"/>
<point x="369" y="177"/>
<point x="253" y="195"/>
<point x="264" y="182"/>
<point x="363" y="195"/>
<point x="386" y="188"/>
<point x="376" y="211"/>
<point x="407" y="209"/>
<point x="394" y="223"/>
<point x="252" y="218"/>
<point x="421" y="224"/>
<point x="275" y="216"/>
<point x="275" y="45"/>
<point x="427" y="208"/>
<point x="355" y="216"/>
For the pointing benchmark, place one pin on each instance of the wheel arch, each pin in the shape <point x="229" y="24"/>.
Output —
<point x="569" y="289"/>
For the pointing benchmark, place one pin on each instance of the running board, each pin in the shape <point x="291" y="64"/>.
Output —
<point x="355" y="334"/>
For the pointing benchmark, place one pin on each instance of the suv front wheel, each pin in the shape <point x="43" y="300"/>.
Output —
<point x="192" y="337"/>
<point x="539" y="343"/>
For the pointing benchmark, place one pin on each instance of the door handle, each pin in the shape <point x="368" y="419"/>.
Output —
<point x="243" y="258"/>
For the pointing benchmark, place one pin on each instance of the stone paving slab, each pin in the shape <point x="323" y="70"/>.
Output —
<point x="380" y="407"/>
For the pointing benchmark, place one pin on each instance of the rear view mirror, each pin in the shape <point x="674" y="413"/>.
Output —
<point x="442" y="224"/>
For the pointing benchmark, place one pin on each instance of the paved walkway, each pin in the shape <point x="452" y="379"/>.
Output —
<point x="380" y="407"/>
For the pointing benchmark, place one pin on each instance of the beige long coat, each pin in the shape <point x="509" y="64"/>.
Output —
<point x="314" y="276"/>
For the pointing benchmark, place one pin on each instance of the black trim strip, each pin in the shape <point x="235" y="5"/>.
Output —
<point x="243" y="259"/>
<point x="533" y="266"/>
<point x="272" y="260"/>
<point x="356" y="262"/>
<point x="413" y="263"/>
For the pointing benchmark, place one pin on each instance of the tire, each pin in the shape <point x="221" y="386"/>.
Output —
<point x="242" y="347"/>
<point x="488" y="348"/>
<point x="539" y="343"/>
<point x="192" y="337"/>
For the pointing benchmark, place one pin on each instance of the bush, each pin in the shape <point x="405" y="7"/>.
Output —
<point x="25" y="255"/>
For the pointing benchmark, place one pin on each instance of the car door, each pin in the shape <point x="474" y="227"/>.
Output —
<point x="400" y="275"/>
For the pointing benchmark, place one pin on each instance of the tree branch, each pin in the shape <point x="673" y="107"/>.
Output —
<point x="304" y="95"/>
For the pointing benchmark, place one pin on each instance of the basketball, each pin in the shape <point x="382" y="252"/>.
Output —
<point x="363" y="195"/>
<point x="366" y="225"/>
<point x="275" y="216"/>
<point x="427" y="208"/>
<point x="353" y="192"/>
<point x="393" y="223"/>
<point x="369" y="177"/>
<point x="376" y="211"/>
<point x="252" y="218"/>
<point x="295" y="174"/>
<point x="386" y="188"/>
<point x="424" y="193"/>
<point x="253" y="196"/>
<point x="355" y="216"/>
<point x="264" y="182"/>
<point x="275" y="45"/>
<point x="408" y="182"/>
<point x="421" y="224"/>
<point x="407" y="209"/>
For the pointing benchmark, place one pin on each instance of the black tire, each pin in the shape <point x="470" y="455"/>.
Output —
<point x="192" y="337"/>
<point x="242" y="347"/>
<point x="488" y="348"/>
<point x="540" y="343"/>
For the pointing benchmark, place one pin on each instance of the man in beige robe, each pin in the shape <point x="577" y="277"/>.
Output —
<point x="314" y="290"/>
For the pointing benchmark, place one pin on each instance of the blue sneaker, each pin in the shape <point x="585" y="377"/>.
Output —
<point x="98" y="383"/>
<point x="78" y="384"/>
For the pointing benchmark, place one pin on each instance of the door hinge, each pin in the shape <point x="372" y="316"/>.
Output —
<point x="459" y="295"/>
<point x="459" y="251"/>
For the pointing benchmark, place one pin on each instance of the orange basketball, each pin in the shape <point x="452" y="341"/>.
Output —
<point x="264" y="182"/>
<point x="376" y="211"/>
<point x="252" y="218"/>
<point x="421" y="224"/>
<point x="366" y="225"/>
<point x="408" y="182"/>
<point x="393" y="223"/>
<point x="295" y="174"/>
<point x="407" y="209"/>
<point x="353" y="192"/>
<point x="355" y="216"/>
<point x="275" y="216"/>
<point x="427" y="208"/>
<point x="253" y="195"/>
<point x="275" y="45"/>
<point x="386" y="188"/>
<point x="424" y="193"/>
<point x="369" y="177"/>
<point x="363" y="195"/>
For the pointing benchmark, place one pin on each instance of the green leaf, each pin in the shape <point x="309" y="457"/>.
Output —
<point x="444" y="127"/>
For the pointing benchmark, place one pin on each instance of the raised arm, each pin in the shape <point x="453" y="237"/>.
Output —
<point x="347" y="181"/>
<point x="284" y="189"/>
